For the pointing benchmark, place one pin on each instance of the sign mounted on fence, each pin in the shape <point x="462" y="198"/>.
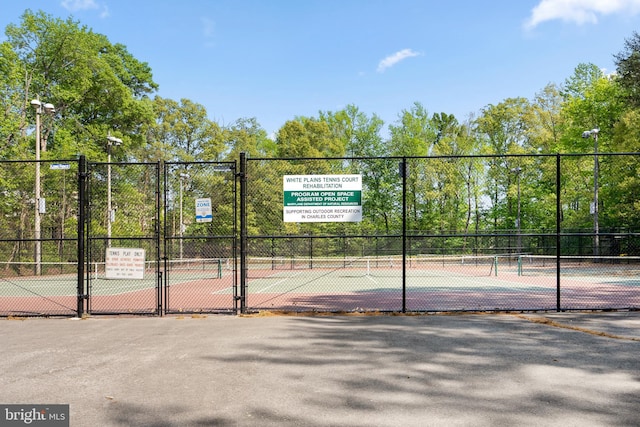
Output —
<point x="203" y="210"/>
<point x="124" y="263"/>
<point x="322" y="198"/>
<point x="59" y="166"/>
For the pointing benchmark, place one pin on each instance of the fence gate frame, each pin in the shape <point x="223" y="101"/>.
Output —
<point x="160" y="241"/>
<point x="92" y="240"/>
<point x="168" y="237"/>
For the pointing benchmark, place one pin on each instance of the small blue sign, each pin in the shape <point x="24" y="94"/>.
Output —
<point x="203" y="210"/>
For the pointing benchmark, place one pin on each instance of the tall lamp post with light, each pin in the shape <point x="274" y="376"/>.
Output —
<point x="46" y="108"/>
<point x="183" y="177"/>
<point x="111" y="140"/>
<point x="596" y="227"/>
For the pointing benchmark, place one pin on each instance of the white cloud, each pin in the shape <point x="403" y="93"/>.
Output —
<point x="208" y="30"/>
<point x="77" y="5"/>
<point x="74" y="5"/>
<point x="393" y="59"/>
<point x="105" y="12"/>
<point x="578" y="11"/>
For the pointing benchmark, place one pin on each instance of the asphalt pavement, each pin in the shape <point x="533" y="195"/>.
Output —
<point x="577" y="369"/>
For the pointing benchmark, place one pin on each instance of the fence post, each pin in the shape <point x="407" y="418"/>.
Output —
<point x="243" y="231"/>
<point x="558" y="229"/>
<point x="157" y="236"/>
<point x="82" y="221"/>
<point x="404" y="171"/>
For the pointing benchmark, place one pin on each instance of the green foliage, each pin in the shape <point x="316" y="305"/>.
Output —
<point x="101" y="89"/>
<point x="628" y="69"/>
<point x="244" y="135"/>
<point x="308" y="137"/>
<point x="184" y="131"/>
<point x="359" y="134"/>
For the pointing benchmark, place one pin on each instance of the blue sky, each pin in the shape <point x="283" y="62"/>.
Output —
<point x="276" y="59"/>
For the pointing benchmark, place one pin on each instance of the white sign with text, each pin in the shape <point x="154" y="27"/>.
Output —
<point x="322" y="198"/>
<point x="124" y="263"/>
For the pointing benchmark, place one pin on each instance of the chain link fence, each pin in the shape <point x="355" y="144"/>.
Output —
<point x="38" y="238"/>
<point x="450" y="233"/>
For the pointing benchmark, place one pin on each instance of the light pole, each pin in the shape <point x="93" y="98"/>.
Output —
<point x="39" y="202"/>
<point x="596" y="226"/>
<point x="183" y="176"/>
<point x="111" y="140"/>
<point x="518" y="171"/>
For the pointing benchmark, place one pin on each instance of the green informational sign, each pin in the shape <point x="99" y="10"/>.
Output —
<point x="322" y="198"/>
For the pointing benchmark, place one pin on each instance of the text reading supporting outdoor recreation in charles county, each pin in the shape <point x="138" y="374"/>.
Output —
<point x="322" y="198"/>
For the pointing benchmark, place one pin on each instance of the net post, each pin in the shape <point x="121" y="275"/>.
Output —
<point x="519" y="265"/>
<point x="495" y="265"/>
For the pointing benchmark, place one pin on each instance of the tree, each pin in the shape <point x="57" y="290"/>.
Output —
<point x="184" y="129"/>
<point x="414" y="135"/>
<point x="624" y="188"/>
<point x="505" y="130"/>
<point x="544" y="131"/>
<point x="456" y="177"/>
<point x="591" y="100"/>
<point x="546" y="122"/>
<point x="12" y="119"/>
<point x="97" y="87"/>
<point x="359" y="134"/>
<point x="244" y="135"/>
<point x="628" y="69"/>
<point x="308" y="137"/>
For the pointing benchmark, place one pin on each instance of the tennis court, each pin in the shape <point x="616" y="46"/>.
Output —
<point x="441" y="283"/>
<point x="421" y="283"/>
<point x="190" y="284"/>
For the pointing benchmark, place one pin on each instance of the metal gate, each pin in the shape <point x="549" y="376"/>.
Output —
<point x="161" y="238"/>
<point x="199" y="262"/>
<point x="123" y="265"/>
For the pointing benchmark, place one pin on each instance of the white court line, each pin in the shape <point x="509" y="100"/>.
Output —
<point x="277" y="283"/>
<point x="294" y="276"/>
<point x="222" y="290"/>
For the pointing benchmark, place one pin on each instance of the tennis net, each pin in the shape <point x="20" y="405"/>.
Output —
<point x="197" y="267"/>
<point x="385" y="266"/>
<point x="614" y="266"/>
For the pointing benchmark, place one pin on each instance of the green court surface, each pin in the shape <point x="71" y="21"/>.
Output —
<point x="65" y="284"/>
